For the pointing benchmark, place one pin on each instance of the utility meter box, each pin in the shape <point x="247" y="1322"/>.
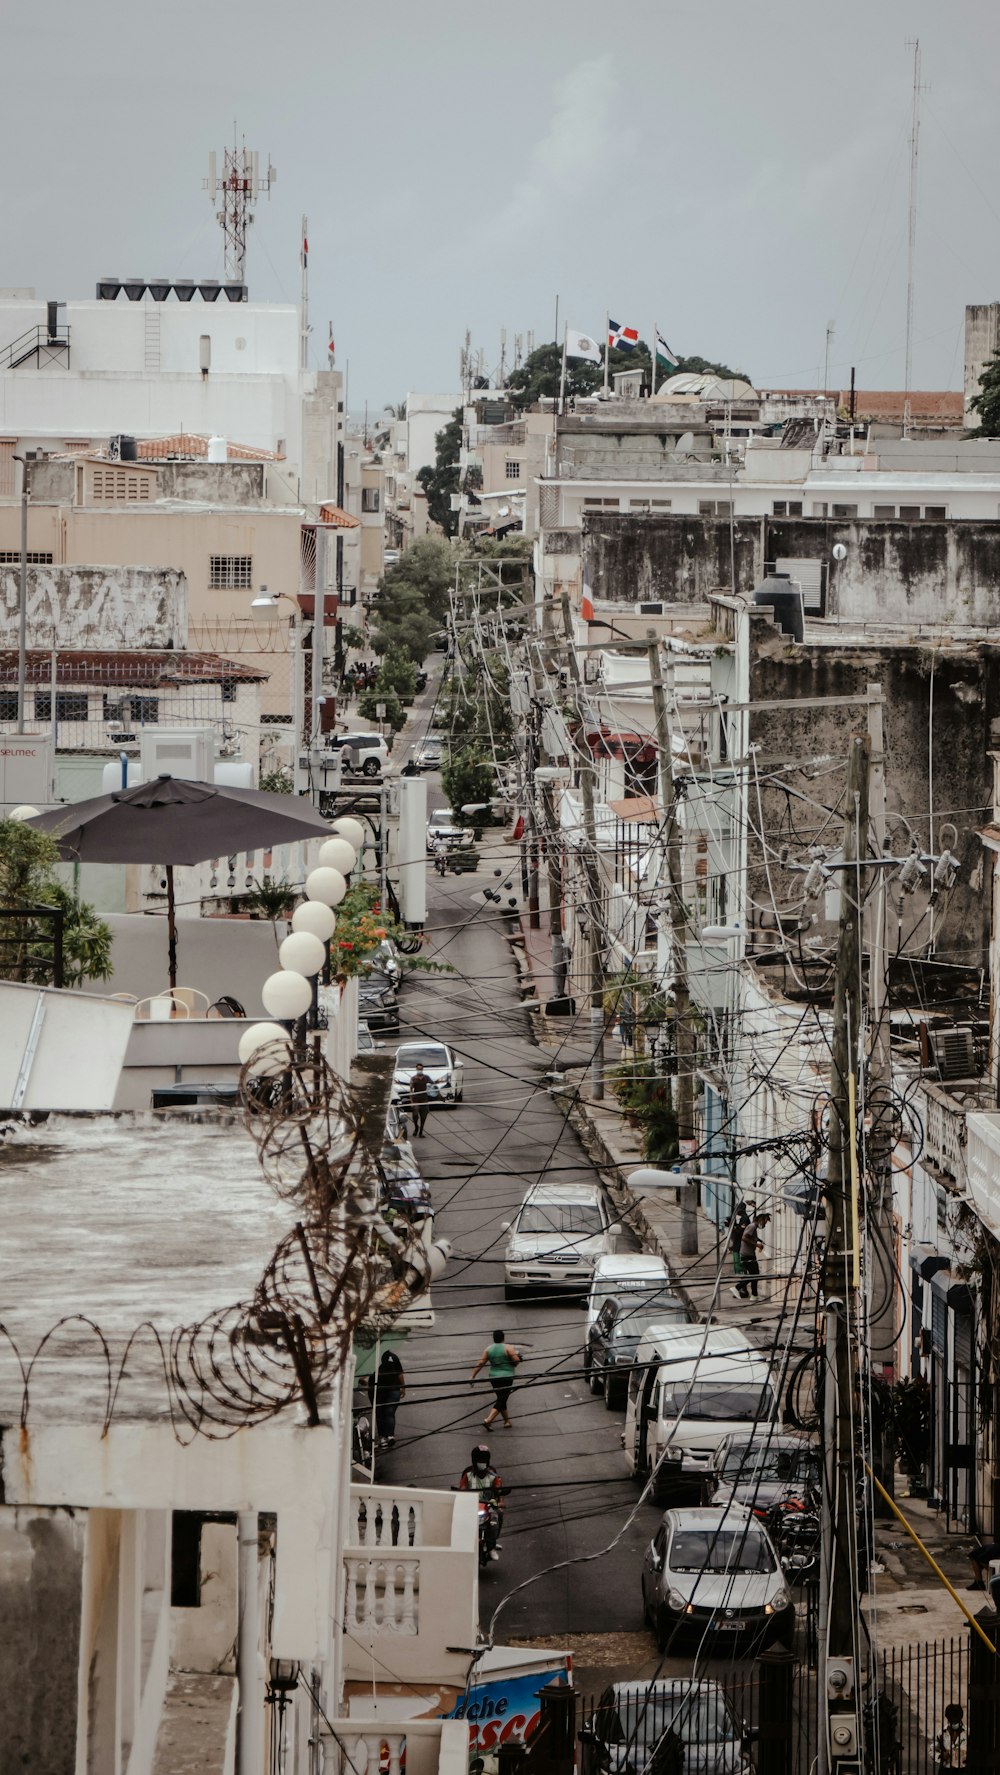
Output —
<point x="26" y="770"/>
<point x="178" y="752"/>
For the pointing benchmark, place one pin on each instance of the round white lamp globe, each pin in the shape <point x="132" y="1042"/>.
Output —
<point x="24" y="812"/>
<point x="337" y="853"/>
<point x="260" y="1035"/>
<point x="286" y="994"/>
<point x="326" y="885"/>
<point x="302" y="953"/>
<point x="314" y="917"/>
<point x="839" y="551"/>
<point x="350" y="829"/>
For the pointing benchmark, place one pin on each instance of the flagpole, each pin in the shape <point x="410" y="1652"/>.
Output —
<point x="652" y="387"/>
<point x="562" y="377"/>
<point x="607" y="347"/>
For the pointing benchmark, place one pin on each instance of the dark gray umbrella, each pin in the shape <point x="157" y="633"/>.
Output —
<point x="175" y="822"/>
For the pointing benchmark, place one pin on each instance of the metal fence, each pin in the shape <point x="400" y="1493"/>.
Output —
<point x="31" y="944"/>
<point x="919" y="1725"/>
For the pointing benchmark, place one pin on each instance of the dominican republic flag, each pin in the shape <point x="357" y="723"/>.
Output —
<point x="664" y="355"/>
<point x="621" y="338"/>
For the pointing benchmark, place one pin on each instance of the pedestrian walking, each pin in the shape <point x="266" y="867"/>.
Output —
<point x="386" y="1390"/>
<point x="750" y="1244"/>
<point x="741" y="1220"/>
<point x="502" y="1360"/>
<point x="419" y="1093"/>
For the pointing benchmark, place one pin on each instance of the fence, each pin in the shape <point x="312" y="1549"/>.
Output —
<point x="31" y="944"/>
<point x="919" y="1724"/>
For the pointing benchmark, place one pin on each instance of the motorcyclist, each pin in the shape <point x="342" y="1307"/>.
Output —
<point x="481" y="1477"/>
<point x="440" y="855"/>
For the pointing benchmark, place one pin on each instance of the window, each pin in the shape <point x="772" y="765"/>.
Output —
<point x="145" y="708"/>
<point x="936" y="511"/>
<point x="369" y="499"/>
<point x="819" y="508"/>
<point x="34" y="558"/>
<point x="787" y="508"/>
<point x="230" y="573"/>
<point x="8" y="705"/>
<point x="909" y="512"/>
<point x="512" y="471"/>
<point x="229" y="688"/>
<point x="71" y="705"/>
<point x="114" y="706"/>
<point x="843" y="511"/>
<point x="883" y="511"/>
<point x="714" y="508"/>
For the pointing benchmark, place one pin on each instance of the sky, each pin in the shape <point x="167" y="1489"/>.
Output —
<point x="732" y="171"/>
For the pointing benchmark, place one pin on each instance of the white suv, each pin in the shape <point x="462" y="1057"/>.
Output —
<point x="364" y="754"/>
<point x="560" y="1232"/>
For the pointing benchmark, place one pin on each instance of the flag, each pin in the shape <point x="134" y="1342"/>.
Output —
<point x="621" y="338"/>
<point x="331" y="348"/>
<point x="586" y="607"/>
<point x="305" y="253"/>
<point x="664" y="355"/>
<point x="582" y="345"/>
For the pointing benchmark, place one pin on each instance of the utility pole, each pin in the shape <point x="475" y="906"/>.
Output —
<point x="593" y="873"/>
<point x="22" y="604"/>
<point x="683" y="1032"/>
<point x="840" y="1674"/>
<point x="554" y="867"/>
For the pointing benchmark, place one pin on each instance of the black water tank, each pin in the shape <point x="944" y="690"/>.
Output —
<point x="786" y="601"/>
<point x="128" y="451"/>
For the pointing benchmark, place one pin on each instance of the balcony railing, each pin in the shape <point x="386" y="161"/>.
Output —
<point x="411" y="1575"/>
<point x="946" y="1113"/>
<point x="421" y="1747"/>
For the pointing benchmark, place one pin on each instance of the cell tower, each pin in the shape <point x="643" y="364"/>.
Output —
<point x="239" y="185"/>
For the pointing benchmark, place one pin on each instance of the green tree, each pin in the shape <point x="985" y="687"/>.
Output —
<point x="397" y="672"/>
<point x="987" y="402"/>
<point x="273" y="900"/>
<point x="372" y="700"/>
<point x="414" y="598"/>
<point x="27" y="879"/>
<point x="467" y="778"/>
<point x="441" y="481"/>
<point x="538" y="377"/>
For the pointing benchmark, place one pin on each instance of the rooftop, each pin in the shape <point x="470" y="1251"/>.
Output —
<point x="122" y="1220"/>
<point x="166" y="667"/>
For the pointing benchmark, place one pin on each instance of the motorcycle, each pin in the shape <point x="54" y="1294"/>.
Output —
<point x="489" y="1528"/>
<point x="795" y="1530"/>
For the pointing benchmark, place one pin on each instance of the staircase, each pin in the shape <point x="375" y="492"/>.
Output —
<point x="37" y="343"/>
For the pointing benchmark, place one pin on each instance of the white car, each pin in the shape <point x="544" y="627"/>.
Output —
<point x="560" y="1232"/>
<point x="441" y="1064"/>
<point x="442" y="824"/>
<point x="361" y="754"/>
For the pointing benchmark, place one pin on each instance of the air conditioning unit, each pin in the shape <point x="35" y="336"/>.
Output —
<point x="655" y="608"/>
<point x="954" y="1053"/>
<point x="178" y="752"/>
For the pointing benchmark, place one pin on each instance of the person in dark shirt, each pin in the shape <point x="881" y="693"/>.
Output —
<point x="386" y="1389"/>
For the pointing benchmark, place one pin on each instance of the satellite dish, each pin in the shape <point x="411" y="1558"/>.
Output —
<point x="685" y="444"/>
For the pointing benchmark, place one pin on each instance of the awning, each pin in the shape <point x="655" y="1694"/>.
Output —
<point x="927" y="1261"/>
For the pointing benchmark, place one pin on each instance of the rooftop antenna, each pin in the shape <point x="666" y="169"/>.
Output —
<point x="304" y="312"/>
<point x="502" y="377"/>
<point x="239" y="185"/>
<point x="911" y="238"/>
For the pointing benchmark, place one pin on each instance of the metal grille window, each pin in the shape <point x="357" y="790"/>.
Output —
<point x="230" y="573"/>
<point x="935" y="511"/>
<point x="369" y="499"/>
<point x="8" y="705"/>
<point x="229" y="688"/>
<point x="787" y="508"/>
<point x="34" y="558"/>
<point x="71" y="705"/>
<point x="512" y="471"/>
<point x="145" y="709"/>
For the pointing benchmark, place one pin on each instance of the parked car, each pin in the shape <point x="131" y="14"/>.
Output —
<point x="405" y="1189"/>
<point x="442" y="824"/>
<point x="362" y="754"/>
<point x="762" y="1469"/>
<point x="619" y="1273"/>
<point x="632" y="1719"/>
<point x="560" y="1231"/>
<point x="429" y="752"/>
<point x="714" y="1575"/>
<point x="616" y="1334"/>
<point x="689" y="1388"/>
<point x="377" y="1003"/>
<point x="441" y="1064"/>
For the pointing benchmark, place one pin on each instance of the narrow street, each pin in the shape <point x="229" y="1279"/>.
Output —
<point x="570" y="1493"/>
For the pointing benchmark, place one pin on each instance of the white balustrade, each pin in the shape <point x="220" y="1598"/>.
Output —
<point x="384" y="1518"/>
<point x="423" y="1747"/>
<point x="382" y="1595"/>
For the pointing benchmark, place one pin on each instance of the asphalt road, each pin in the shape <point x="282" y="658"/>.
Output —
<point x="570" y="1493"/>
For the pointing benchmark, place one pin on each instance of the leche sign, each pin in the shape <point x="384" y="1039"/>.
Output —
<point x="501" y="1712"/>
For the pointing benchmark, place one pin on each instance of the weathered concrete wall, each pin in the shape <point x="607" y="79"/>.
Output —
<point x="965" y="682"/>
<point x="900" y="572"/>
<point x="982" y="339"/>
<point x="99" y="607"/>
<point x="51" y="482"/>
<point x="680" y="559"/>
<point x="644" y="455"/>
<point x="41" y="1571"/>
<point x="213" y="483"/>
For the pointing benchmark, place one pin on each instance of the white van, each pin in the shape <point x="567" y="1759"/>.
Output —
<point x="623" y="1272"/>
<point x="690" y="1387"/>
<point x="560" y="1231"/>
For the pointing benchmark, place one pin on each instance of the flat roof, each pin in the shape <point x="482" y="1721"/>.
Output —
<point x="121" y="1220"/>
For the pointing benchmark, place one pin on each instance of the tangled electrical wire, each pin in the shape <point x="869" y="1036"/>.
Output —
<point x="341" y="1272"/>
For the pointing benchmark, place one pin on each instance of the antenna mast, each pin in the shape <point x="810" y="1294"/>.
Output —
<point x="239" y="185"/>
<point x="304" y="315"/>
<point x="911" y="240"/>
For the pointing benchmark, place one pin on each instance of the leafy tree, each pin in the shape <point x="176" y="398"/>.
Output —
<point x="351" y="637"/>
<point x="441" y="481"/>
<point x="27" y="879"/>
<point x="409" y="629"/>
<point x="414" y="599"/>
<point x="397" y="672"/>
<point x="361" y="926"/>
<point x="277" y="781"/>
<point x="273" y="899"/>
<point x="467" y="778"/>
<point x="539" y="375"/>
<point x="368" y="707"/>
<point x="987" y="402"/>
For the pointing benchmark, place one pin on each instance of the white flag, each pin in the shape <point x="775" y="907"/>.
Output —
<point x="582" y="345"/>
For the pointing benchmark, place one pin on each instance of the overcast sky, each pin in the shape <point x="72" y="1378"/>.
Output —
<point x="732" y="170"/>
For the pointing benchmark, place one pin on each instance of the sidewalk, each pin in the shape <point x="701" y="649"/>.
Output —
<point x="908" y="1603"/>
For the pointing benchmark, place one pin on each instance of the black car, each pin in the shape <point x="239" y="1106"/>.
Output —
<point x="614" y="1339"/>
<point x="405" y="1189"/>
<point x="762" y="1469"/>
<point x="378" y="1005"/>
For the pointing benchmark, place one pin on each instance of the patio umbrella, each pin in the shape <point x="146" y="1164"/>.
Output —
<point x="175" y="822"/>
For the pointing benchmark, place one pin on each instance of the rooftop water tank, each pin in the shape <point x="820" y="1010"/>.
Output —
<point x="785" y="600"/>
<point x="218" y="450"/>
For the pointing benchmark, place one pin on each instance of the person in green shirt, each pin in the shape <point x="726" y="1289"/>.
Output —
<point x="501" y="1359"/>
